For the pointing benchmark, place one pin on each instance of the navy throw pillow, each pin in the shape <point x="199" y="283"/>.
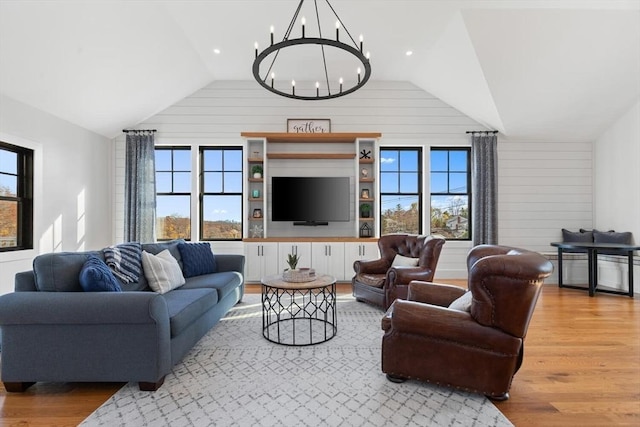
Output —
<point x="623" y="238"/>
<point x="583" y="236"/>
<point x="197" y="259"/>
<point x="96" y="276"/>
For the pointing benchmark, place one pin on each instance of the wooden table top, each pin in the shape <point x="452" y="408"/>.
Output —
<point x="276" y="281"/>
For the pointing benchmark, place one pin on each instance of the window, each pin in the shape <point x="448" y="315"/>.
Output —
<point x="173" y="193"/>
<point x="16" y="198"/>
<point x="400" y="190"/>
<point x="221" y="193"/>
<point x="451" y="192"/>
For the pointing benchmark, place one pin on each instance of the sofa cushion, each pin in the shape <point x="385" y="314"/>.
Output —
<point x="60" y="271"/>
<point x="162" y="271"/>
<point x="125" y="260"/>
<point x="187" y="305"/>
<point x="623" y="238"/>
<point x="96" y="276"/>
<point x="224" y="282"/>
<point x="462" y="303"/>
<point x="197" y="259"/>
<point x="371" y="279"/>
<point x="403" y="261"/>
<point x="582" y="236"/>
<point x="172" y="245"/>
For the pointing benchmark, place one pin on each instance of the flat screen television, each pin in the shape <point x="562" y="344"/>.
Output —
<point x="310" y="200"/>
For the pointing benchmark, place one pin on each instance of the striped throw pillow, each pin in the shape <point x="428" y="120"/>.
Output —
<point x="125" y="261"/>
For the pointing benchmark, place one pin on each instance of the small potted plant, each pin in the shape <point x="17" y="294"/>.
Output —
<point x="292" y="260"/>
<point x="256" y="170"/>
<point x="365" y="210"/>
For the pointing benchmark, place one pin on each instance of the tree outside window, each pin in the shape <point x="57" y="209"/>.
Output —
<point x="450" y="192"/>
<point x="400" y="190"/>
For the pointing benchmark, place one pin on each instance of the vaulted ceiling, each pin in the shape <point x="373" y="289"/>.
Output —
<point x="542" y="70"/>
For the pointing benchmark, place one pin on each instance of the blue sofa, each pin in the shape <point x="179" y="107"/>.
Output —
<point x="53" y="331"/>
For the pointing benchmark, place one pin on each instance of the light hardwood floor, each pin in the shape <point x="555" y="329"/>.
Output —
<point x="581" y="368"/>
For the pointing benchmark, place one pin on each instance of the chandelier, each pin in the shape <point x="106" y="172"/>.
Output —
<point x="338" y="68"/>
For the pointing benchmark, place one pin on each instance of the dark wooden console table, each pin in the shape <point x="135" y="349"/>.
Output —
<point x="592" y="256"/>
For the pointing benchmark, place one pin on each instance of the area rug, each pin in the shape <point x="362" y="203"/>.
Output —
<point x="235" y="377"/>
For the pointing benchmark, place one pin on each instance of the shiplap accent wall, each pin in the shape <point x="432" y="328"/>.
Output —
<point x="542" y="187"/>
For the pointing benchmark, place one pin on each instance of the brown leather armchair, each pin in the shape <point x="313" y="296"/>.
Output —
<point x="379" y="282"/>
<point x="477" y="344"/>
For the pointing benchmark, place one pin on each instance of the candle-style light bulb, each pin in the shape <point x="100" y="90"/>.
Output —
<point x="361" y="40"/>
<point x="341" y="81"/>
<point x="337" y="30"/>
<point x="317" y="88"/>
<point x="368" y="55"/>
<point x="359" y="71"/>
<point x="273" y="76"/>
<point x="304" y="21"/>
<point x="272" y="29"/>
<point x="256" y="46"/>
<point x="293" y="87"/>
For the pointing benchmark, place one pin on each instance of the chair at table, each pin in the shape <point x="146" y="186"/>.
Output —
<point x="472" y="340"/>
<point x="403" y="258"/>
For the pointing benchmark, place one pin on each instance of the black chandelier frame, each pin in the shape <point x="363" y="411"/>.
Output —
<point x="286" y="42"/>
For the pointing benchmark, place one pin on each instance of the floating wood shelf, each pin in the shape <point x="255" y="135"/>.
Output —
<point x="255" y="160"/>
<point x="348" y="137"/>
<point x="366" y="180"/>
<point x="311" y="155"/>
<point x="363" y="161"/>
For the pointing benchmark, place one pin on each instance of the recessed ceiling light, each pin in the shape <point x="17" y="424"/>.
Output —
<point x="409" y="53"/>
<point x="216" y="51"/>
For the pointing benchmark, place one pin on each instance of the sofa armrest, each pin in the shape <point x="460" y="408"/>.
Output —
<point x="434" y="293"/>
<point x="83" y="308"/>
<point x="230" y="262"/>
<point x="404" y="275"/>
<point x="373" y="266"/>
<point x="25" y="281"/>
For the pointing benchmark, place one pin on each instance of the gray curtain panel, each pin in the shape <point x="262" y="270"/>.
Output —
<point x="140" y="188"/>
<point x="484" y="178"/>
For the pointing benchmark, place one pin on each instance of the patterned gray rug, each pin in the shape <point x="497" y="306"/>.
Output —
<point x="235" y="377"/>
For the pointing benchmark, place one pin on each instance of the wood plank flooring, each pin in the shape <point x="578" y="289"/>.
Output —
<point x="581" y="367"/>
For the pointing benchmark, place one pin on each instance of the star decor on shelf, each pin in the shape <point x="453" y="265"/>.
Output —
<point x="365" y="154"/>
<point x="257" y="230"/>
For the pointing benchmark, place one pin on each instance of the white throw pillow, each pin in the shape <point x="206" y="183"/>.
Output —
<point x="403" y="261"/>
<point x="462" y="303"/>
<point x="162" y="271"/>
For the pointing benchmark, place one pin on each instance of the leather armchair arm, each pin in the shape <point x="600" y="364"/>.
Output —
<point x="404" y="275"/>
<point x="434" y="293"/>
<point x="375" y="266"/>
<point x="435" y="323"/>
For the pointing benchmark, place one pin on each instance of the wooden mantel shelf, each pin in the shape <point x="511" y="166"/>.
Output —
<point x="345" y="137"/>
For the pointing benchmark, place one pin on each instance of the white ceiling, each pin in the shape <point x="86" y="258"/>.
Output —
<point x="536" y="69"/>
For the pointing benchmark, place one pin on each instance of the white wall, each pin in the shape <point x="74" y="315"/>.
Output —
<point x="543" y="187"/>
<point x="72" y="185"/>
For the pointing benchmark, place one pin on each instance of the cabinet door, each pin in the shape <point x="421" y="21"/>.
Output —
<point x="356" y="251"/>
<point x="302" y="249"/>
<point x="261" y="260"/>
<point x="328" y="258"/>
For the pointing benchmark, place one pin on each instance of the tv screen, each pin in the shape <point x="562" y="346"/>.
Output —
<point x="310" y="199"/>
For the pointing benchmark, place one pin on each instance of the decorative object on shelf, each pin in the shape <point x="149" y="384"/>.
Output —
<point x="257" y="231"/>
<point x="256" y="171"/>
<point x="364" y="193"/>
<point x="365" y="154"/>
<point x="255" y="194"/>
<point x="257" y="213"/>
<point x="365" y="230"/>
<point x="309" y="125"/>
<point x="364" y="172"/>
<point x="365" y="210"/>
<point x="335" y="83"/>
<point x="256" y="154"/>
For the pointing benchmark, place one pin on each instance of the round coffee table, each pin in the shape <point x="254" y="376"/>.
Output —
<point x="299" y="313"/>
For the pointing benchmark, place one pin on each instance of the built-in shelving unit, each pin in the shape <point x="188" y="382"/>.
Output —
<point x="263" y="147"/>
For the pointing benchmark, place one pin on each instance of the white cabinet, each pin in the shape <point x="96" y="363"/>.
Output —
<point x="354" y="251"/>
<point x="328" y="258"/>
<point x="261" y="260"/>
<point x="302" y="249"/>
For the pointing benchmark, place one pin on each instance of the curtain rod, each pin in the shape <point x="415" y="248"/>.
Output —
<point x="482" y="131"/>
<point x="138" y="130"/>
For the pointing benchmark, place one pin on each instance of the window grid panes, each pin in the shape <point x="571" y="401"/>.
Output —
<point x="16" y="198"/>
<point x="173" y="193"/>
<point x="221" y="193"/>
<point x="450" y="181"/>
<point x="400" y="190"/>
